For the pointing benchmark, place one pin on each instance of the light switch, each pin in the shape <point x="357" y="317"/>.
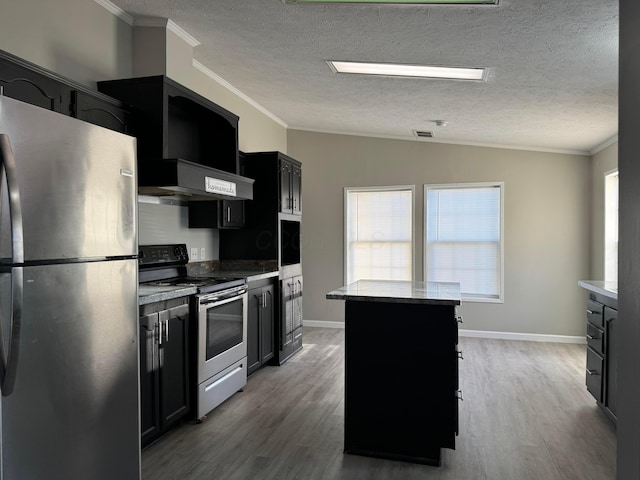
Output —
<point x="194" y="253"/>
<point x="202" y="253"/>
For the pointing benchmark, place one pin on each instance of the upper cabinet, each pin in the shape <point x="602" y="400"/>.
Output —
<point x="172" y="121"/>
<point x="289" y="181"/>
<point x="37" y="86"/>
<point x="24" y="82"/>
<point x="290" y="185"/>
<point x="100" y="110"/>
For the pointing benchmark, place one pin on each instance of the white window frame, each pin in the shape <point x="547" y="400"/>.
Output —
<point x="456" y="186"/>
<point x="412" y="188"/>
<point x="610" y="221"/>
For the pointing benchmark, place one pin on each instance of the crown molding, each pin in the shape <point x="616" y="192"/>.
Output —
<point x="169" y="25"/>
<point x="604" y="145"/>
<point x="117" y="11"/>
<point x="447" y="142"/>
<point x="238" y="93"/>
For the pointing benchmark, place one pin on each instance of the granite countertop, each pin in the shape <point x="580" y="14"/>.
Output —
<point x="608" y="289"/>
<point x="159" y="293"/>
<point x="398" y="291"/>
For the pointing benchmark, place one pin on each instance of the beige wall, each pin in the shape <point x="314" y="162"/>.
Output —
<point x="547" y="207"/>
<point x="78" y="39"/>
<point x="602" y="162"/>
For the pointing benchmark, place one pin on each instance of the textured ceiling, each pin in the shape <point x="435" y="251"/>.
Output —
<point x="553" y="66"/>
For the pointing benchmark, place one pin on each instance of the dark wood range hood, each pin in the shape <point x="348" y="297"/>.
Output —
<point x="191" y="181"/>
<point x="187" y="145"/>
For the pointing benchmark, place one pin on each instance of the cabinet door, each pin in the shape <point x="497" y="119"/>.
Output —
<point x="286" y="340"/>
<point x="296" y="190"/>
<point x="286" y="204"/>
<point x="266" y="324"/>
<point x="95" y="110"/>
<point x="231" y="214"/>
<point x="149" y="378"/>
<point x="594" y="374"/>
<point x="253" y="330"/>
<point x="611" y="367"/>
<point x="29" y="86"/>
<point x="174" y="373"/>
<point x="297" y="308"/>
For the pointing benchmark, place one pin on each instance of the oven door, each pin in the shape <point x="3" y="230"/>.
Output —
<point x="222" y="334"/>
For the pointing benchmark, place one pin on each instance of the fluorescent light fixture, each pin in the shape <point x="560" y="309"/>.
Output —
<point x="401" y="2"/>
<point x="404" y="70"/>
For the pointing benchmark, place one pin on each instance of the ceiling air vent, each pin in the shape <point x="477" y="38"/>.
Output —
<point x="423" y="134"/>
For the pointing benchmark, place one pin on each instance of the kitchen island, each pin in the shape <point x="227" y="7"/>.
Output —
<point x="401" y="368"/>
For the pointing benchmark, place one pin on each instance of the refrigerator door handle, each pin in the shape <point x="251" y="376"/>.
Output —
<point x="9" y="359"/>
<point x="8" y="167"/>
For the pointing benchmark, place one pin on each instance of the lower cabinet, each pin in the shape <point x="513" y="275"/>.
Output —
<point x="602" y="354"/>
<point x="401" y="380"/>
<point x="291" y="317"/>
<point x="260" y="325"/>
<point x="164" y="366"/>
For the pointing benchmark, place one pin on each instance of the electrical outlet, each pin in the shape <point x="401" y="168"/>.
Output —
<point x="194" y="253"/>
<point x="202" y="253"/>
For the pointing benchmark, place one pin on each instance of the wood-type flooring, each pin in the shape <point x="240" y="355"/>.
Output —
<point x="526" y="415"/>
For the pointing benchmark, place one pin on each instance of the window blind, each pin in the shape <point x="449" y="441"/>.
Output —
<point x="463" y="238"/>
<point x="379" y="233"/>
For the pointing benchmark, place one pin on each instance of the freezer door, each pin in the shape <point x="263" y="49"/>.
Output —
<point x="76" y="186"/>
<point x="73" y="411"/>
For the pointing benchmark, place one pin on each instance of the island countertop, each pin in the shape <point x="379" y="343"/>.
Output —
<point x="399" y="291"/>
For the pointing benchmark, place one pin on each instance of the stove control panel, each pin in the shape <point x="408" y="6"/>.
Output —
<point x="159" y="255"/>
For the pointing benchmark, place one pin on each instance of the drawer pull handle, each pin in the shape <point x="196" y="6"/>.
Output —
<point x="459" y="319"/>
<point x="591" y="337"/>
<point x="459" y="352"/>
<point x="459" y="395"/>
<point x="589" y="312"/>
<point x="591" y="372"/>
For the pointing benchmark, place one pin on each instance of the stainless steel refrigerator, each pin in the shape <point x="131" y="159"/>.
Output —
<point x="69" y="408"/>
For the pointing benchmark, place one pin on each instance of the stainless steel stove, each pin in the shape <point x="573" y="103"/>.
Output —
<point x="220" y="310"/>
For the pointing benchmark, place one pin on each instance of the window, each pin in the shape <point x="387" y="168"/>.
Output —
<point x="611" y="226"/>
<point x="464" y="238"/>
<point x="378" y="233"/>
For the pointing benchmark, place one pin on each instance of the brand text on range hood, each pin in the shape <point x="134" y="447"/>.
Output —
<point x="178" y="177"/>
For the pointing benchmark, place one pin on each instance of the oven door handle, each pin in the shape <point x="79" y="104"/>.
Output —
<point x="222" y="297"/>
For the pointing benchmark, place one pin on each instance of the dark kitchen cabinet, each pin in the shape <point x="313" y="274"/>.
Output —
<point x="401" y="380"/>
<point x="602" y="355"/>
<point x="29" y="83"/>
<point x="100" y="110"/>
<point x="260" y="325"/>
<point x="216" y="214"/>
<point x="291" y="318"/>
<point x="172" y="121"/>
<point x="290" y="185"/>
<point x="164" y="366"/>
<point x="32" y="84"/>
<point x="611" y="373"/>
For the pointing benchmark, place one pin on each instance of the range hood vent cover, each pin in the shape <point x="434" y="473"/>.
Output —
<point x="175" y="177"/>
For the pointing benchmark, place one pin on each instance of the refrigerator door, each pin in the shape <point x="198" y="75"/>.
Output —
<point x="76" y="186"/>
<point x="73" y="411"/>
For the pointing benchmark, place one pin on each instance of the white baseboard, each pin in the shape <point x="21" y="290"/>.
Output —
<point x="322" y="324"/>
<point x="529" y="337"/>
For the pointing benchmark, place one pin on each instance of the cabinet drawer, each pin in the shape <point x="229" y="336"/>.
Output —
<point x="594" y="313"/>
<point x="595" y="338"/>
<point x="594" y="374"/>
